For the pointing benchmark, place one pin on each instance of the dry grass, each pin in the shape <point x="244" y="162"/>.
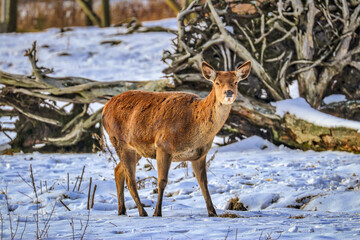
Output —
<point x="235" y="204"/>
<point x="230" y="215"/>
<point x="297" y="217"/>
<point x="37" y="15"/>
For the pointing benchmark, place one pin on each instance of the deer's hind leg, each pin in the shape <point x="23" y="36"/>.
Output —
<point x="128" y="159"/>
<point x="119" y="177"/>
<point x="120" y="180"/>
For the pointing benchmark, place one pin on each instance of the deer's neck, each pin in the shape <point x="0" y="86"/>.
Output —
<point x="214" y="114"/>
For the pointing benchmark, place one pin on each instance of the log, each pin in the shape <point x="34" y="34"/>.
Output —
<point x="41" y="121"/>
<point x="291" y="130"/>
<point x="105" y="10"/>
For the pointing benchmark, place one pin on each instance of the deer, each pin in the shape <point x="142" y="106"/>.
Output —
<point x="169" y="127"/>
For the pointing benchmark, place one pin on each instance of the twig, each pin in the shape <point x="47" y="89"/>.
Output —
<point x="152" y="166"/>
<point x="46" y="227"/>
<point x="227" y="234"/>
<point x="2" y="226"/>
<point x="9" y="213"/>
<point x="81" y="178"/>
<point x="88" y="202"/>
<point x="33" y="181"/>
<point x="36" y="216"/>
<point x="25" y="181"/>
<point x="113" y="224"/>
<point x="86" y="225"/>
<point x="41" y="187"/>
<point x="72" y="227"/>
<point x="22" y="233"/>
<point x="26" y="195"/>
<point x="36" y="219"/>
<point x="77" y="179"/>
<point x="109" y="150"/>
<point x="211" y="159"/>
<point x="7" y="135"/>
<point x="68" y="182"/>
<point x="64" y="205"/>
<point x="93" y="196"/>
<point x="17" y="226"/>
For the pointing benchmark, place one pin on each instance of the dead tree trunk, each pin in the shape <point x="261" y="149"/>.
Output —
<point x="8" y="22"/>
<point x="174" y="5"/>
<point x="105" y="9"/>
<point x="88" y="21"/>
<point x="89" y="12"/>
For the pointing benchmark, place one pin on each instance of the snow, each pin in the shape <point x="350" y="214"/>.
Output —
<point x="272" y="182"/>
<point x="295" y="194"/>
<point x="302" y="110"/>
<point x="294" y="89"/>
<point x="334" y="98"/>
<point x="79" y="52"/>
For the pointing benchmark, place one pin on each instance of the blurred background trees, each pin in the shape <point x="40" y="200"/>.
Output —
<point x="37" y="15"/>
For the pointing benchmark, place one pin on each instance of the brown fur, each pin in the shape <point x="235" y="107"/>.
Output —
<point x="171" y="126"/>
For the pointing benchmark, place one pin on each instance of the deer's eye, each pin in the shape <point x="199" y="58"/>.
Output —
<point x="217" y="83"/>
<point x="236" y="83"/>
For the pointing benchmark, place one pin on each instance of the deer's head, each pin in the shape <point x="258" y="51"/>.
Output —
<point x="226" y="82"/>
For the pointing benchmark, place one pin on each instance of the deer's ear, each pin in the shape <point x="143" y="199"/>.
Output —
<point x="243" y="71"/>
<point x="208" y="71"/>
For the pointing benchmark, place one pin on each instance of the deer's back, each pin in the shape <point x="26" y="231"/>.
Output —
<point x="143" y="119"/>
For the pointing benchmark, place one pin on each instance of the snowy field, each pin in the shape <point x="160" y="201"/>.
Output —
<point x="295" y="194"/>
<point x="289" y="194"/>
<point x="79" y="52"/>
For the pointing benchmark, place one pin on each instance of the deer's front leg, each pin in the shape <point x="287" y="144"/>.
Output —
<point x="163" y="160"/>
<point x="199" y="167"/>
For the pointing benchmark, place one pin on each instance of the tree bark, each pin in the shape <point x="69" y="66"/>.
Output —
<point x="88" y="21"/>
<point x="105" y="9"/>
<point x="8" y="22"/>
<point x="89" y="12"/>
<point x="174" y="5"/>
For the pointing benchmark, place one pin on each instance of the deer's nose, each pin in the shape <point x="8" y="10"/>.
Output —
<point x="229" y="93"/>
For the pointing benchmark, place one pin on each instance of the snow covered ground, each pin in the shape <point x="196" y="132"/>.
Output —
<point x="80" y="53"/>
<point x="272" y="183"/>
<point x="295" y="194"/>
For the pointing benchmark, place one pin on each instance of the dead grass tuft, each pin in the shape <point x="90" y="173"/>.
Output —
<point x="297" y="217"/>
<point x="230" y="215"/>
<point x="235" y="204"/>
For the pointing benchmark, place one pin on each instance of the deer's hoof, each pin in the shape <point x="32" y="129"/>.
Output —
<point x="122" y="211"/>
<point x="157" y="215"/>
<point x="212" y="214"/>
<point x="143" y="214"/>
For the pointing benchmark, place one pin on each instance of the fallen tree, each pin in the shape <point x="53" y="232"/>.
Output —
<point x="53" y="113"/>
